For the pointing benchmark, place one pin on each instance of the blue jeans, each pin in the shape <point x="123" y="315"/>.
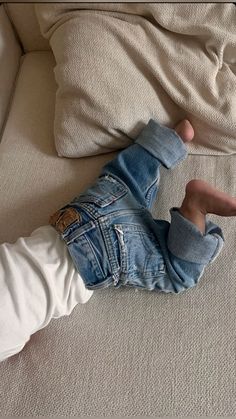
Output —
<point x="111" y="235"/>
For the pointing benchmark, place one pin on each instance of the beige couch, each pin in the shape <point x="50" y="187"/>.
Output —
<point x="125" y="353"/>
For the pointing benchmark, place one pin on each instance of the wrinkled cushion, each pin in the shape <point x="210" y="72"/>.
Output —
<point x="118" y="65"/>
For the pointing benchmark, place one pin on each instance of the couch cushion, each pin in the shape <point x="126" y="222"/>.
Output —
<point x="10" y="53"/>
<point x="132" y="63"/>
<point x="23" y="18"/>
<point x="124" y="353"/>
<point x="28" y="156"/>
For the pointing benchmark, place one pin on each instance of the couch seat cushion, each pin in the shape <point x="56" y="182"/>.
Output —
<point x="124" y="353"/>
<point x="34" y="181"/>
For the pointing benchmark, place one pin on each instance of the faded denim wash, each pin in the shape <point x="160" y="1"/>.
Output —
<point x="110" y="232"/>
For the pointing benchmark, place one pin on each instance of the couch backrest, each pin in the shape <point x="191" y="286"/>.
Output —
<point x="23" y="18"/>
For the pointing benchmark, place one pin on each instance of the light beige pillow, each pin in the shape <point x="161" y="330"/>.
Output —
<point x="118" y="65"/>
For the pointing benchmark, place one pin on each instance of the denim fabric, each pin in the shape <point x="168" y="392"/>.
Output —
<point x="113" y="238"/>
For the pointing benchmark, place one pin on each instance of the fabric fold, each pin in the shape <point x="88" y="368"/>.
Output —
<point x="188" y="243"/>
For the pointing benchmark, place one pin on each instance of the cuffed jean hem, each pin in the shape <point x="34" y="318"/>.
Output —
<point x="188" y="243"/>
<point x="163" y="143"/>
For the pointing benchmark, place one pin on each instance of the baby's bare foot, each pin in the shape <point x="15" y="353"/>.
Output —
<point x="185" y="130"/>
<point x="201" y="199"/>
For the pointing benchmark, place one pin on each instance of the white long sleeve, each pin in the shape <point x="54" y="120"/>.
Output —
<point x="38" y="282"/>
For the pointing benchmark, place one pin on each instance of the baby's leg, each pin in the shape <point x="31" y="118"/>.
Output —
<point x="38" y="282"/>
<point x="202" y="199"/>
<point x="192" y="241"/>
<point x="138" y="166"/>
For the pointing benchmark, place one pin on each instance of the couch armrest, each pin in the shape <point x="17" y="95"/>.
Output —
<point x="10" y="53"/>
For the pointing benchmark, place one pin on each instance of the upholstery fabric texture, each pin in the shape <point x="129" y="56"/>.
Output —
<point x="10" y="53"/>
<point x="118" y="65"/>
<point x="124" y="353"/>
<point x="25" y="23"/>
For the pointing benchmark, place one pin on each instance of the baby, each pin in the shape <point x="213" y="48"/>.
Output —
<point x="108" y="237"/>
